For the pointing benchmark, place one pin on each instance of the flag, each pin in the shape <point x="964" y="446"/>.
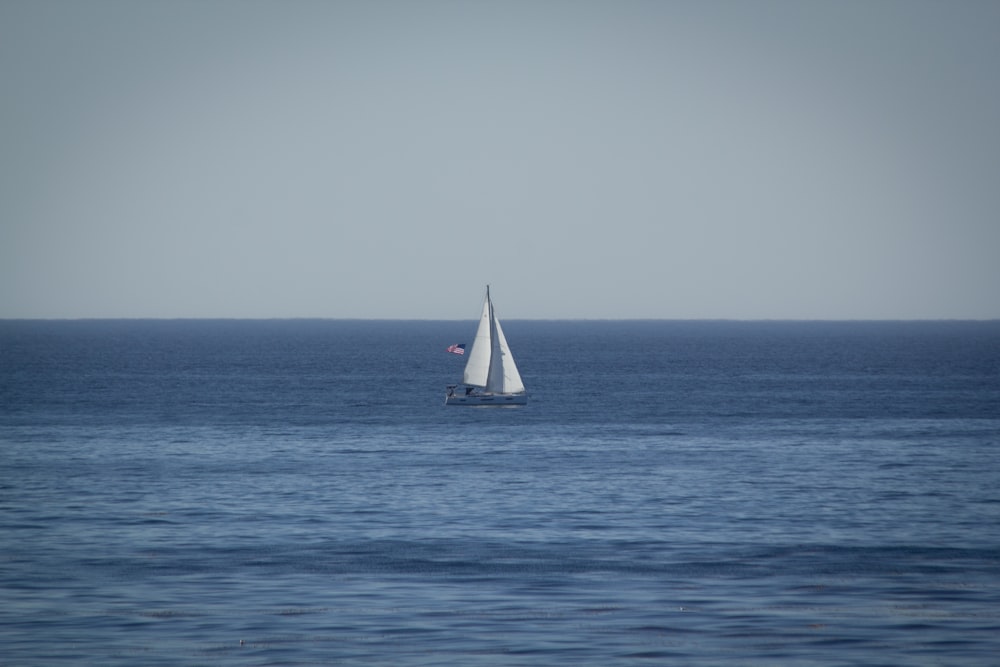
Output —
<point x="457" y="348"/>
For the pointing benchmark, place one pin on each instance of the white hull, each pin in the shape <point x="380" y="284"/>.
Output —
<point x="486" y="399"/>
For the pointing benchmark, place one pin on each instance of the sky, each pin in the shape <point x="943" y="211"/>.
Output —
<point x="767" y="159"/>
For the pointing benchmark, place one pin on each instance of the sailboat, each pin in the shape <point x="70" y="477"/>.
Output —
<point x="491" y="376"/>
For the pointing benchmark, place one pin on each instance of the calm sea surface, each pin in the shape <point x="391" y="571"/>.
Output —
<point x="690" y="493"/>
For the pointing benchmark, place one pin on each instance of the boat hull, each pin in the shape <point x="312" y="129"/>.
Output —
<point x="486" y="399"/>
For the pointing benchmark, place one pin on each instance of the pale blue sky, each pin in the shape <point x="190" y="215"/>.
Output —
<point x="615" y="159"/>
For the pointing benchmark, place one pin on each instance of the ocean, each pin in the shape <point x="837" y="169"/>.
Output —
<point x="295" y="492"/>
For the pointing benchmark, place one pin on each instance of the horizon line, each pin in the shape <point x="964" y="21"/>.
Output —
<point x="506" y="319"/>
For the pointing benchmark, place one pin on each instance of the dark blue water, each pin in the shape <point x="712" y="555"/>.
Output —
<point x="692" y="493"/>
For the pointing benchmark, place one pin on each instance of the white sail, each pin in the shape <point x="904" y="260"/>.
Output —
<point x="511" y="379"/>
<point x="477" y="368"/>
<point x="490" y="364"/>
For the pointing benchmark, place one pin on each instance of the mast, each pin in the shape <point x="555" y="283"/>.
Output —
<point x="495" y="377"/>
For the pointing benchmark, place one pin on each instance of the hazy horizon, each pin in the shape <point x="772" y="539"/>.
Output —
<point x="253" y="159"/>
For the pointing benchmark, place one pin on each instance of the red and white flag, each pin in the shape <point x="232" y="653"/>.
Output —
<point x="457" y="348"/>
